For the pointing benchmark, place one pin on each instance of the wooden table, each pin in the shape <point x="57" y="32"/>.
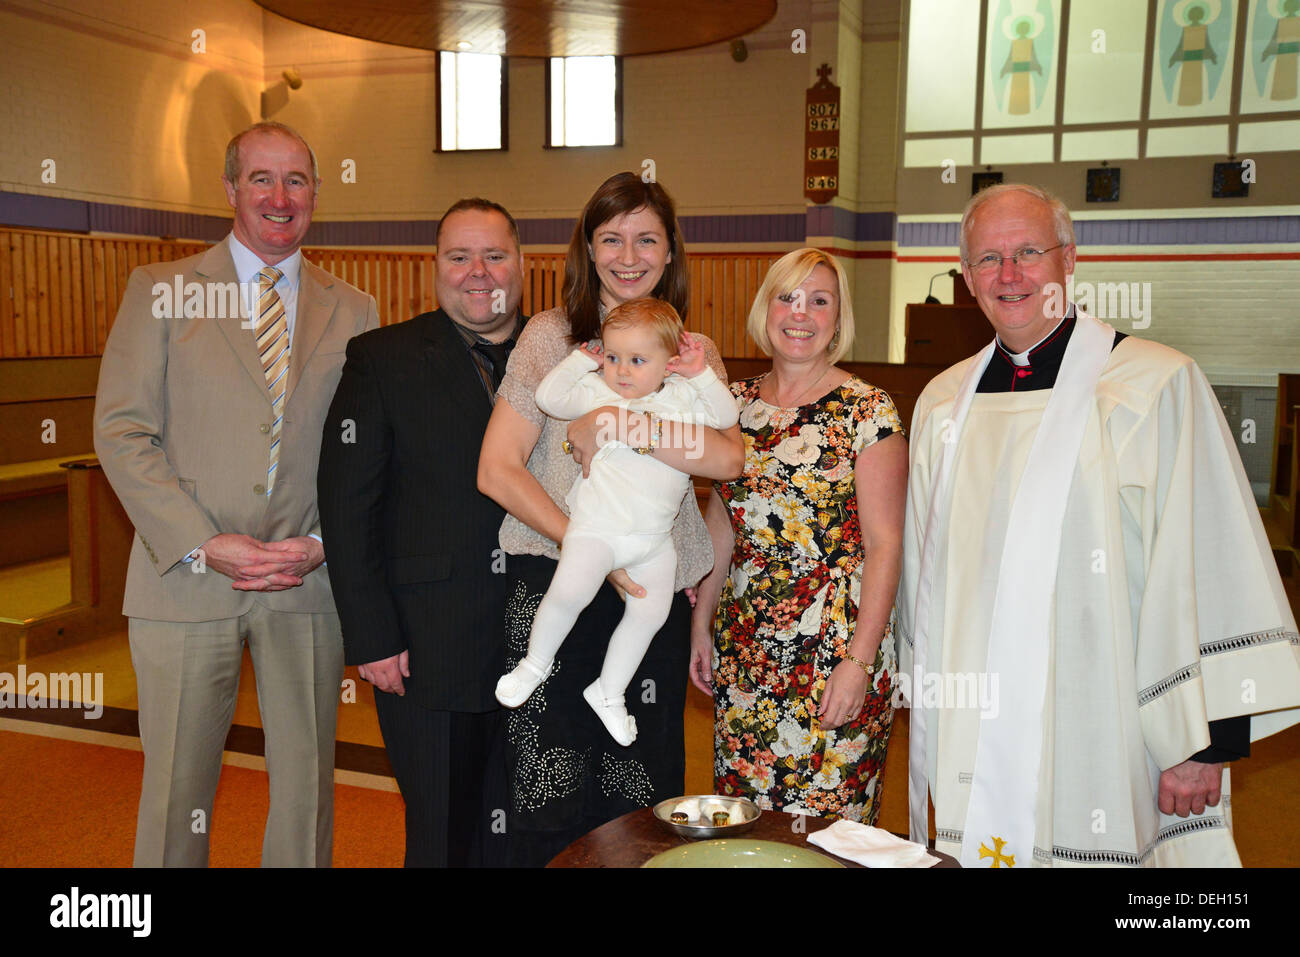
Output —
<point x="634" y="838"/>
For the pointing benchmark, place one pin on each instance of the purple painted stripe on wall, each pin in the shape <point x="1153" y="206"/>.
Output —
<point x="873" y="227"/>
<point x="1234" y="230"/>
<point x="43" y="212"/>
<point x="138" y="221"/>
<point x="424" y="232"/>
<point x="416" y="232"/>
<point x="51" y="212"/>
<point x="928" y="234"/>
<point x="820" y="220"/>
<point x="546" y="232"/>
<point x="755" y="228"/>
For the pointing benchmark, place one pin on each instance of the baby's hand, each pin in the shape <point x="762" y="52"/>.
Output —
<point x="690" y="361"/>
<point x="592" y="351"/>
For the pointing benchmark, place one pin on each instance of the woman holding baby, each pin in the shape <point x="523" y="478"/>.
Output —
<point x="567" y="774"/>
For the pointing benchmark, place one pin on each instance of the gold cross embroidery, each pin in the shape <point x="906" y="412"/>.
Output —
<point x="996" y="854"/>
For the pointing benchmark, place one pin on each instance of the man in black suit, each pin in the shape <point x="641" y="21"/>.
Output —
<point x="411" y="540"/>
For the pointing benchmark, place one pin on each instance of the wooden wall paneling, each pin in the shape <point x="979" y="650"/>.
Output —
<point x="368" y="279"/>
<point x="115" y="265"/>
<point x="60" y="311"/>
<point x="401" y="295"/>
<point x="396" y="294"/>
<point x="428" y="296"/>
<point x="693" y="311"/>
<point x="63" y="256"/>
<point x="8" y="291"/>
<point x="40" y="268"/>
<point x="48" y="268"/>
<point x="764" y="268"/>
<point x="703" y="308"/>
<point x="31" y="307"/>
<point x="753" y="279"/>
<point x="126" y="249"/>
<point x="411" y="280"/>
<point x="83" y="335"/>
<point x="67" y="287"/>
<point x="103" y="321"/>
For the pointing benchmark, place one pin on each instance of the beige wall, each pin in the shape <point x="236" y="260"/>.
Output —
<point x="116" y="96"/>
<point x="113" y="92"/>
<point x="725" y="137"/>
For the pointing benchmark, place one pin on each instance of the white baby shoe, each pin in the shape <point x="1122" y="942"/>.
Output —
<point x="612" y="713"/>
<point x="515" y="688"/>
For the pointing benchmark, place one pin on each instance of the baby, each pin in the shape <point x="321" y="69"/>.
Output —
<point x="622" y="515"/>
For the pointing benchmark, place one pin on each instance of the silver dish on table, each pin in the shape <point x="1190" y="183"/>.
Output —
<point x="698" y="829"/>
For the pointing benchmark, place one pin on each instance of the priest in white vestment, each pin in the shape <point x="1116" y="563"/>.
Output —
<point x="1083" y="547"/>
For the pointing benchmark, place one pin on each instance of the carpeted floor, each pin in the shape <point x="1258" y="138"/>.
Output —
<point x="71" y="804"/>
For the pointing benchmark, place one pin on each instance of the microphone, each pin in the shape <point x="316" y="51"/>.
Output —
<point x="929" y="293"/>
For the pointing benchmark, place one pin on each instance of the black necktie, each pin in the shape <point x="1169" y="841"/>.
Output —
<point x="496" y="353"/>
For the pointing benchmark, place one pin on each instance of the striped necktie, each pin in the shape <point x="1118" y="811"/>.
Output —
<point x="272" y="332"/>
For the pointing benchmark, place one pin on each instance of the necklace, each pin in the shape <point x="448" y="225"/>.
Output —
<point x="801" y="395"/>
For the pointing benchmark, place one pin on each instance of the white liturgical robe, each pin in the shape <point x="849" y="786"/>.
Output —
<point x="1168" y="611"/>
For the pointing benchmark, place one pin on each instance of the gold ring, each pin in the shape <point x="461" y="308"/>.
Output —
<point x="567" y="446"/>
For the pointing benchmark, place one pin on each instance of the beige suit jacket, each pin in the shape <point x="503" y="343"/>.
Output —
<point x="182" y="429"/>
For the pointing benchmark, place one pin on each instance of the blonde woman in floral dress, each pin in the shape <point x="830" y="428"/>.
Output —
<point x="807" y="542"/>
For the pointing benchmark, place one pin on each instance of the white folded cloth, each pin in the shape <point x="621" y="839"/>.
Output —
<point x="871" y="846"/>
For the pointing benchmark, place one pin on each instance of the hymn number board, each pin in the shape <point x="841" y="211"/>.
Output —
<point x="821" y="139"/>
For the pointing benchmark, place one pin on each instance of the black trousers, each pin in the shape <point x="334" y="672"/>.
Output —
<point x="450" y="767"/>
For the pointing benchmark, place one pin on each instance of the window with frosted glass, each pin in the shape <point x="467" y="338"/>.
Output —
<point x="584" y="101"/>
<point x="471" y="101"/>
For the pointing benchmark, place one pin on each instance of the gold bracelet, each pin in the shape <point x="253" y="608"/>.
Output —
<point x="859" y="662"/>
<point x="654" y="436"/>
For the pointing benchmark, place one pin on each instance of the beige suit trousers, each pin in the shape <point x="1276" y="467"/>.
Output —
<point x="187" y="674"/>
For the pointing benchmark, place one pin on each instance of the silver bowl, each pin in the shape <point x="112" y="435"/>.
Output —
<point x="700" y="830"/>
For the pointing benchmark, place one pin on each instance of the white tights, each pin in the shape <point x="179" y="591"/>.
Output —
<point x="585" y="560"/>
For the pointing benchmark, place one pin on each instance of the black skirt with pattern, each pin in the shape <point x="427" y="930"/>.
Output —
<point x="567" y="775"/>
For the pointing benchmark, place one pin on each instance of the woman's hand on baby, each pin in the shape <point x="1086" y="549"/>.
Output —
<point x="590" y="433"/>
<point x="593" y="351"/>
<point x="624" y="585"/>
<point x="690" y="361"/>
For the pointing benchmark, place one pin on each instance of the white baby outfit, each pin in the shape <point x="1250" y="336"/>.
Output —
<point x="620" y="516"/>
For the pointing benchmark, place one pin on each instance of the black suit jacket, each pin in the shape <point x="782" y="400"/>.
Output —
<point x="409" y="539"/>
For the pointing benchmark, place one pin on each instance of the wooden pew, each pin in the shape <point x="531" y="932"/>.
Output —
<point x="46" y="417"/>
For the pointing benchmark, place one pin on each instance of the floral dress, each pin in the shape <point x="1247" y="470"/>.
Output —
<point x="789" y="607"/>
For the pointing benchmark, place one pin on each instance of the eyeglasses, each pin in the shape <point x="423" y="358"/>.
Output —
<point x="1025" y="258"/>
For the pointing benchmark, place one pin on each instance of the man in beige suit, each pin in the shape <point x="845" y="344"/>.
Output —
<point x="208" y="425"/>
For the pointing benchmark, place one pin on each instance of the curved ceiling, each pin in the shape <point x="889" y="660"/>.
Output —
<point x="536" y="28"/>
